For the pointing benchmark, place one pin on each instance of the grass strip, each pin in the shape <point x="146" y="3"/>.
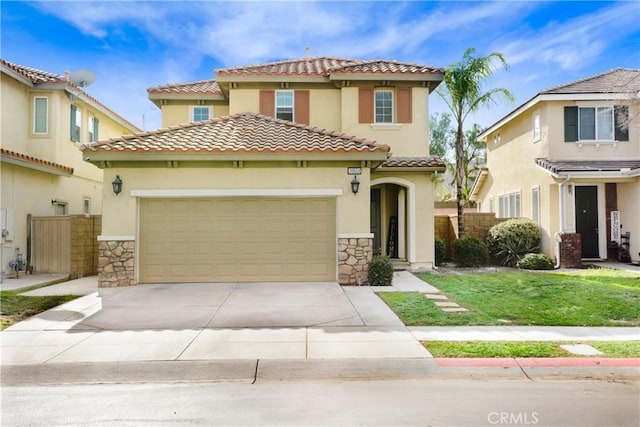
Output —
<point x="15" y="307"/>
<point x="512" y="349"/>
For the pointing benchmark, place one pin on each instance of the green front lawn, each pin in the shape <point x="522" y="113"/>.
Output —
<point x="15" y="307"/>
<point x="526" y="349"/>
<point x="590" y="297"/>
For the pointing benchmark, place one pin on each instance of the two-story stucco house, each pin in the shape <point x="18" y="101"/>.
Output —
<point x="297" y="170"/>
<point x="44" y="120"/>
<point x="569" y="158"/>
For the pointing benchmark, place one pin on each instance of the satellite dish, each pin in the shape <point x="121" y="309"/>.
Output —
<point x="82" y="78"/>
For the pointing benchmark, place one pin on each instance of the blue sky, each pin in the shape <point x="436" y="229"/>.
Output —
<point x="132" y="45"/>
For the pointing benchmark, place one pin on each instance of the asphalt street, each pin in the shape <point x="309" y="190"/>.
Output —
<point x="467" y="402"/>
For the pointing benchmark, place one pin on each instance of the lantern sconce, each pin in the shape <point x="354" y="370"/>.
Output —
<point x="355" y="185"/>
<point x="117" y="185"/>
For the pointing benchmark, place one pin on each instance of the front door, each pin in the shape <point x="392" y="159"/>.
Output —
<point x="587" y="219"/>
<point x="375" y="220"/>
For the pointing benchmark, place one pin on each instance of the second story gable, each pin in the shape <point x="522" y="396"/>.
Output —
<point x="47" y="117"/>
<point x="386" y="101"/>
<point x="590" y="119"/>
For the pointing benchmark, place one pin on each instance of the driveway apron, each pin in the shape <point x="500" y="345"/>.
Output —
<point x="207" y="321"/>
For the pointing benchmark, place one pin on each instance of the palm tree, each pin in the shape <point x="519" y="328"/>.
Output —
<point x="463" y="94"/>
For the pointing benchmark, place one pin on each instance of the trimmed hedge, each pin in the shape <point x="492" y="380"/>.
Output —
<point x="470" y="252"/>
<point x="380" y="271"/>
<point x="535" y="262"/>
<point x="512" y="239"/>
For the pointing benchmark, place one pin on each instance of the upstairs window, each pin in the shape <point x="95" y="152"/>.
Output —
<point x="41" y="115"/>
<point x="76" y="120"/>
<point x="384" y="106"/>
<point x="536" y="128"/>
<point x="284" y="105"/>
<point x="535" y="204"/>
<point x="94" y="125"/>
<point x="200" y="114"/>
<point x="595" y="124"/>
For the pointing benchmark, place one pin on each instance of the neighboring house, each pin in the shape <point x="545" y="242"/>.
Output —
<point x="296" y="170"/>
<point x="45" y="118"/>
<point x="568" y="158"/>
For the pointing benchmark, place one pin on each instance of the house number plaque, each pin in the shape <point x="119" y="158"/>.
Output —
<point x="354" y="171"/>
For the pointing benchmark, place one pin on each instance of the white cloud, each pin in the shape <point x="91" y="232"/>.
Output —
<point x="576" y="42"/>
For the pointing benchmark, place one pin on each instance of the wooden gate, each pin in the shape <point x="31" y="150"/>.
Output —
<point x="65" y="244"/>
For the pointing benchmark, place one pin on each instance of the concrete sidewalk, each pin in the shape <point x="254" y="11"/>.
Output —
<point x="175" y="323"/>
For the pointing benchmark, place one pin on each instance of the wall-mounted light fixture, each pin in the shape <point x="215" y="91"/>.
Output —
<point x="117" y="185"/>
<point x="54" y="202"/>
<point x="355" y="184"/>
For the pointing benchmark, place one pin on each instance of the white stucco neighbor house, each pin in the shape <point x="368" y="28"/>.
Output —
<point x="295" y="170"/>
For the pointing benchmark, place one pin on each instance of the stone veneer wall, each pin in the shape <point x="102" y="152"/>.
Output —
<point x="570" y="250"/>
<point x="354" y="256"/>
<point x="116" y="261"/>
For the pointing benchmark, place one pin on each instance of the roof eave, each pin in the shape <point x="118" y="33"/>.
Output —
<point x="278" y="78"/>
<point x="59" y="171"/>
<point x="411" y="169"/>
<point x="153" y="96"/>
<point x="99" y="158"/>
<point x="414" y="77"/>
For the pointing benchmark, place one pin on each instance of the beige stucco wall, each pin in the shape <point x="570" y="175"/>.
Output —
<point x="553" y="120"/>
<point x="406" y="139"/>
<point x="629" y="205"/>
<point x="177" y="112"/>
<point x="120" y="212"/>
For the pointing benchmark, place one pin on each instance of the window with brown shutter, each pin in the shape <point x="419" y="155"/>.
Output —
<point x="301" y="104"/>
<point x="267" y="102"/>
<point x="365" y="105"/>
<point x="403" y="96"/>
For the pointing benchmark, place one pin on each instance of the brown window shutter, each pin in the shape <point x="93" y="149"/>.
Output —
<point x="365" y="105"/>
<point x="404" y="104"/>
<point x="268" y="102"/>
<point x="301" y="103"/>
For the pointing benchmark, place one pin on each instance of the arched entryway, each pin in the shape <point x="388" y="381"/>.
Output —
<point x="393" y="217"/>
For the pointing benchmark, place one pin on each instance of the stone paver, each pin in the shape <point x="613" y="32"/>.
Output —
<point x="581" y="349"/>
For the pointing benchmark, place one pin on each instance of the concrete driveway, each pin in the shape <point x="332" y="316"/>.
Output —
<point x="205" y="321"/>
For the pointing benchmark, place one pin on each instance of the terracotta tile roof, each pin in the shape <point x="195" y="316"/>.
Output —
<point x="325" y="66"/>
<point x="588" y="165"/>
<point x="245" y="132"/>
<point x="37" y="77"/>
<point x="414" y="162"/>
<point x="33" y="75"/>
<point x="199" y="87"/>
<point x="618" y="80"/>
<point x="34" y="160"/>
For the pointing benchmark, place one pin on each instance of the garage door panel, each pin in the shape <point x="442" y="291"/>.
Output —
<point x="237" y="239"/>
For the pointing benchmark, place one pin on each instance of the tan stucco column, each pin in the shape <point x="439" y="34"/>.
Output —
<point x="402" y="252"/>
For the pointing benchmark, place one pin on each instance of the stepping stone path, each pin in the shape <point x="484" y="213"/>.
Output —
<point x="445" y="305"/>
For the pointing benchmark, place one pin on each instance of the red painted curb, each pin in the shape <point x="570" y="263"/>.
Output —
<point x="538" y="362"/>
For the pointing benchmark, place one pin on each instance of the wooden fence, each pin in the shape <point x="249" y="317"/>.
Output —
<point x="65" y="244"/>
<point x="476" y="225"/>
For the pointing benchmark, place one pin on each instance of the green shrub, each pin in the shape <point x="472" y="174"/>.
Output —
<point x="535" y="262"/>
<point x="512" y="239"/>
<point x="380" y="271"/>
<point x="441" y="250"/>
<point x="470" y="252"/>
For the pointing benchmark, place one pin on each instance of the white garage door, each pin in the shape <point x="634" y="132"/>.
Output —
<point x="237" y="240"/>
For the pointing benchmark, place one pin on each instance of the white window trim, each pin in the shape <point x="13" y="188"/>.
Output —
<point x="508" y="195"/>
<point x="535" y="214"/>
<point x="612" y="140"/>
<point x="537" y="127"/>
<point x="192" y="111"/>
<point x="46" y="119"/>
<point x="393" y="107"/>
<point x="293" y="103"/>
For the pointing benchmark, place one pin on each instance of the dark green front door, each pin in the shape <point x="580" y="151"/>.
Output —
<point x="587" y="219"/>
